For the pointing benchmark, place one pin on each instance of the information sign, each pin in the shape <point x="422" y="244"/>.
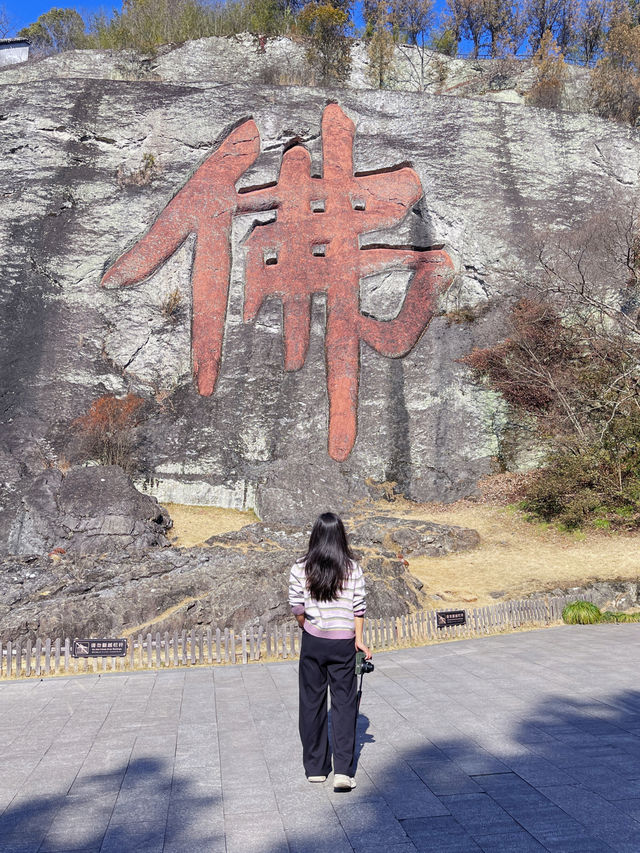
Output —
<point x="99" y="648"/>
<point x="445" y="618"/>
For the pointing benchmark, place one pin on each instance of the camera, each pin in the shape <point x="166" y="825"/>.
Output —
<point x="362" y="664"/>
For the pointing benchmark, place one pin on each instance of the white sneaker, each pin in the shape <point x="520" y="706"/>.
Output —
<point x="341" y="782"/>
<point x="317" y="778"/>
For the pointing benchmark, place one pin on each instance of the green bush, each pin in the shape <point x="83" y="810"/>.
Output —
<point x="586" y="613"/>
<point x="614" y="616"/>
<point x="581" y="613"/>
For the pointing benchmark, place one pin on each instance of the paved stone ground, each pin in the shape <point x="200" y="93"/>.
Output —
<point x="521" y="742"/>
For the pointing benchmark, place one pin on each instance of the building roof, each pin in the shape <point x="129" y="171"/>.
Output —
<point x="14" y="41"/>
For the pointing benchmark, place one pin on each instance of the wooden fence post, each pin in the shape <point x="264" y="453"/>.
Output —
<point x="259" y="642"/>
<point x="268" y="641"/>
<point x="192" y="649"/>
<point x="38" y="656"/>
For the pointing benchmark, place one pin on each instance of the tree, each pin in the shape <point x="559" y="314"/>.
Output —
<point x="5" y="23"/>
<point x="497" y="26"/>
<point x="556" y="16"/>
<point x="566" y="26"/>
<point x="145" y="24"/>
<point x="413" y="17"/>
<point x="453" y="20"/>
<point x="267" y="17"/>
<point x="615" y="81"/>
<point x="591" y="28"/>
<point x="328" y="49"/>
<point x="473" y="23"/>
<point x="498" y="22"/>
<point x="370" y="12"/>
<point x="380" y="51"/>
<point x="55" y="31"/>
<point x="551" y="73"/>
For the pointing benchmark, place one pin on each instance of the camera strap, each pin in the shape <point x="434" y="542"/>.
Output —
<point x="359" y="696"/>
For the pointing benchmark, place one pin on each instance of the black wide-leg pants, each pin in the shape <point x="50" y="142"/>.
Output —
<point x="327" y="662"/>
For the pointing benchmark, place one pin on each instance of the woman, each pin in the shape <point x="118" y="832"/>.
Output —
<point x="327" y="597"/>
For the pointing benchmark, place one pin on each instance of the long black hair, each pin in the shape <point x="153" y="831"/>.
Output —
<point x="328" y="558"/>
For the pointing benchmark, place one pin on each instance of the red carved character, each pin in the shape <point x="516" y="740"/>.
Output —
<point x="312" y="247"/>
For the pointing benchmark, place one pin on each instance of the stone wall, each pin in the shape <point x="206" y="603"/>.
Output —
<point x="78" y="192"/>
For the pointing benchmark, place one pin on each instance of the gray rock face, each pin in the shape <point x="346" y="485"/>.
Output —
<point x="240" y="580"/>
<point x="77" y="192"/>
<point x="86" y="511"/>
<point x="411" y="537"/>
<point x="607" y="595"/>
<point x="245" y="60"/>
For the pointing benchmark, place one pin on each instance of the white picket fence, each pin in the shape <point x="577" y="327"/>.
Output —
<point x="207" y="646"/>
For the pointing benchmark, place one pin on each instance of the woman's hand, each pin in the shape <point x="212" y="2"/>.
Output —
<point x="359" y="627"/>
<point x="360" y="647"/>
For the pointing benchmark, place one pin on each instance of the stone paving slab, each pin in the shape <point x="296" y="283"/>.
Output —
<point x="509" y="744"/>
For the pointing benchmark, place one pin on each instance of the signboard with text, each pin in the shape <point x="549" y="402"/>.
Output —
<point x="446" y="618"/>
<point x="99" y="648"/>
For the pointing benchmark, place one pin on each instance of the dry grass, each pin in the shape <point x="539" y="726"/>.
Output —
<point x="514" y="558"/>
<point x="193" y="525"/>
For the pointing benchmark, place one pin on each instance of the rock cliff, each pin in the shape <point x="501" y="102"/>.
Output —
<point x="237" y="580"/>
<point x="91" y="162"/>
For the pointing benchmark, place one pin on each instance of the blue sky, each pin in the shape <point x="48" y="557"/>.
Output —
<point x="24" y="12"/>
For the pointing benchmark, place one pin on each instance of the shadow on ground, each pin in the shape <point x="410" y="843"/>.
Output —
<point x="568" y="780"/>
<point x="563" y="777"/>
<point x="136" y="806"/>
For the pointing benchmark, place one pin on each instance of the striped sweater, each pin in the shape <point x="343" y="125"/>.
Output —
<point x="330" y="619"/>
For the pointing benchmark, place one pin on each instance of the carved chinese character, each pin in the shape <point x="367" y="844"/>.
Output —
<point x="312" y="247"/>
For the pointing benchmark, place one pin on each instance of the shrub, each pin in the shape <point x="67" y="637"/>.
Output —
<point x="551" y="73"/>
<point x="148" y="170"/>
<point x="171" y="306"/>
<point x="570" y="360"/>
<point x="106" y="430"/>
<point x="581" y="613"/>
<point x="592" y="487"/>
<point x="445" y="42"/>
<point x="537" y="333"/>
